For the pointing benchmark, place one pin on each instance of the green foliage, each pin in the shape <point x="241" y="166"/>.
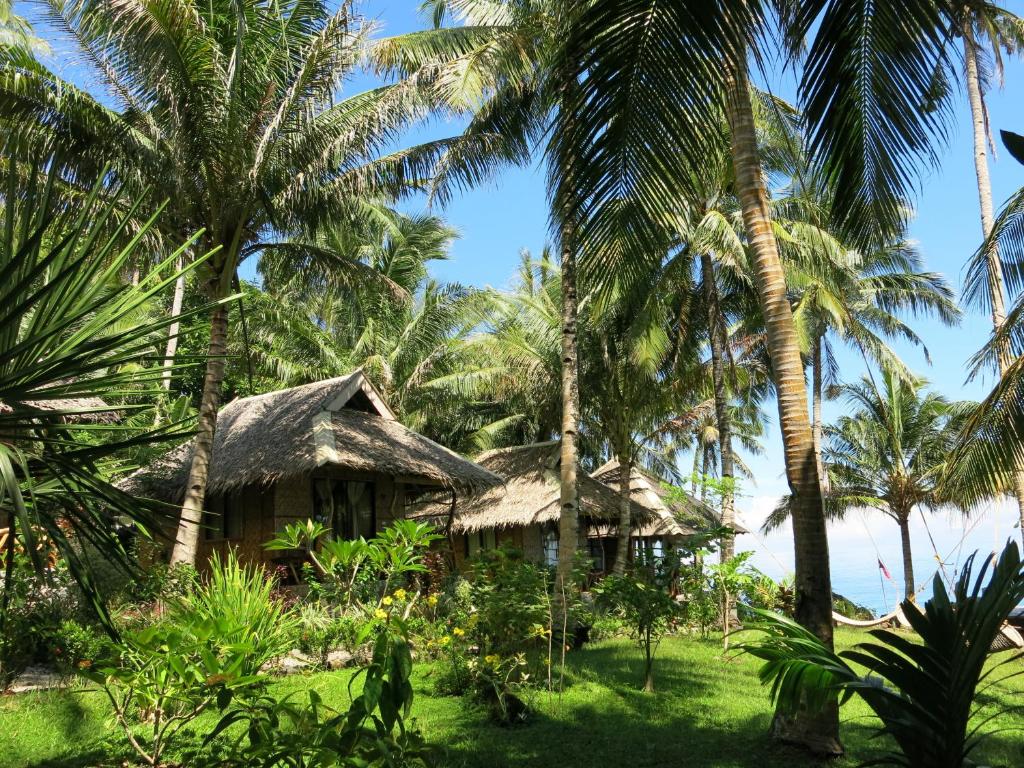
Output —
<point x="646" y="607"/>
<point x="237" y="601"/>
<point x="37" y="608"/>
<point x="926" y="693"/>
<point x="74" y="645"/>
<point x="163" y="677"/>
<point x="359" y="571"/>
<point x="72" y="335"/>
<point x="375" y="731"/>
<point x="208" y="648"/>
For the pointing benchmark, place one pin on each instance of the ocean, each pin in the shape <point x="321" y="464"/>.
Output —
<point x="941" y="540"/>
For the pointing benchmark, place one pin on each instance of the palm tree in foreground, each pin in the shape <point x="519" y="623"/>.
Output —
<point x="233" y="111"/>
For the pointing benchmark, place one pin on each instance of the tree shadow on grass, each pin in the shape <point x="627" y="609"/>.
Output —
<point x="77" y="729"/>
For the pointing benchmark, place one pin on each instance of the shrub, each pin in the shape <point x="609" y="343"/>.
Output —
<point x="163" y="677"/>
<point x="237" y="600"/>
<point x="209" y="647"/>
<point x="646" y="607"/>
<point x="74" y="643"/>
<point x="373" y="732"/>
<point x="37" y="606"/>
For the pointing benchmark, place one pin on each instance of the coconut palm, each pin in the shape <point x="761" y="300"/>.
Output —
<point x="890" y="455"/>
<point x="987" y="31"/>
<point x="656" y="78"/>
<point x="233" y="110"/>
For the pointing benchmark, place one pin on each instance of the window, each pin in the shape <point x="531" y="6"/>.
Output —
<point x="549" y="540"/>
<point x="224" y="521"/>
<point x="346" y="507"/>
<point x="480" y="541"/>
<point x="595" y="546"/>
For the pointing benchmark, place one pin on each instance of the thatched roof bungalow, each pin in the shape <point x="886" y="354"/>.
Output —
<point x="680" y="514"/>
<point x="331" y="450"/>
<point x="524" y="511"/>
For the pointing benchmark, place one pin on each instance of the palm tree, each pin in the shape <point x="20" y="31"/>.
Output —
<point x="890" y="454"/>
<point x="655" y="79"/>
<point x="232" y="109"/>
<point x="986" y="31"/>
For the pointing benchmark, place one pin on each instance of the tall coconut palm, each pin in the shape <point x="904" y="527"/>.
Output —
<point x="654" y="78"/>
<point x="891" y="453"/>
<point x="986" y="31"/>
<point x="233" y="111"/>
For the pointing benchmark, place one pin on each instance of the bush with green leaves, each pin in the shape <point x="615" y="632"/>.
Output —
<point x="208" y="648"/>
<point x="238" y="601"/>
<point x="37" y="605"/>
<point x="929" y="694"/>
<point x="160" y="679"/>
<point x="374" y="731"/>
<point x="646" y="607"/>
<point x="355" y="572"/>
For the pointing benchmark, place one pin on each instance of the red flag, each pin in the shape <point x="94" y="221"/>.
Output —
<point x="885" y="571"/>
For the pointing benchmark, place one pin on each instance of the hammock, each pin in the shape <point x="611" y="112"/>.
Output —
<point x="1009" y="638"/>
<point x="894" y="617"/>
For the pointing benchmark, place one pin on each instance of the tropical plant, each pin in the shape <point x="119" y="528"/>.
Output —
<point x="928" y="694"/>
<point x="238" y="601"/>
<point x="74" y="341"/>
<point x="890" y="455"/>
<point x="646" y="607"/>
<point x="375" y="731"/>
<point x="232" y="110"/>
<point x="165" y="676"/>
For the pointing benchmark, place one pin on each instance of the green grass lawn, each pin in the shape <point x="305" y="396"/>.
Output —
<point x="709" y="710"/>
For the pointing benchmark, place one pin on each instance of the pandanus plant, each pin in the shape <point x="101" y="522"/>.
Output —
<point x="927" y="691"/>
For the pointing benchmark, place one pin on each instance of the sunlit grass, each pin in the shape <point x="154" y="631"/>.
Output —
<point x="708" y="710"/>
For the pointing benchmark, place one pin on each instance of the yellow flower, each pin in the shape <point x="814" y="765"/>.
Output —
<point x="399" y="594"/>
<point x="381" y="613"/>
<point x="446" y="640"/>
<point x="458" y="631"/>
<point x="387" y="600"/>
<point x="492" y="659"/>
<point x="432" y="601"/>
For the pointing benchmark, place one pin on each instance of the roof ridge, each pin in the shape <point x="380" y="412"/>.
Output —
<point x="512" y="448"/>
<point x="318" y="383"/>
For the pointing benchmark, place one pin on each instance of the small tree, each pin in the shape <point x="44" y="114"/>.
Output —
<point x="646" y="607"/>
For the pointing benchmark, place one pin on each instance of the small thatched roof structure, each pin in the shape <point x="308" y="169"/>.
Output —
<point x="679" y="514"/>
<point x="530" y="494"/>
<point x="342" y="422"/>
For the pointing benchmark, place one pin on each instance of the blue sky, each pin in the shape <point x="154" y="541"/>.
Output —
<point x="498" y="219"/>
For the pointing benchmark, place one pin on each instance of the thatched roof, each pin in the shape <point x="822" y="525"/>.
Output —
<point x="530" y="494"/>
<point x="87" y="410"/>
<point x="341" y="422"/>
<point x="681" y="510"/>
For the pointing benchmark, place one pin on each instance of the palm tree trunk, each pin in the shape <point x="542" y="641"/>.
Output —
<point x="172" y="330"/>
<point x="813" y="608"/>
<point x="625" y="507"/>
<point x="995" y="268"/>
<point x="568" y="521"/>
<point x="187" y="544"/>
<point x="717" y="336"/>
<point x="909" y="588"/>
<point x="816" y="400"/>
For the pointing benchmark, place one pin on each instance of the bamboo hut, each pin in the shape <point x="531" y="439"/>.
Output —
<point x="331" y="451"/>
